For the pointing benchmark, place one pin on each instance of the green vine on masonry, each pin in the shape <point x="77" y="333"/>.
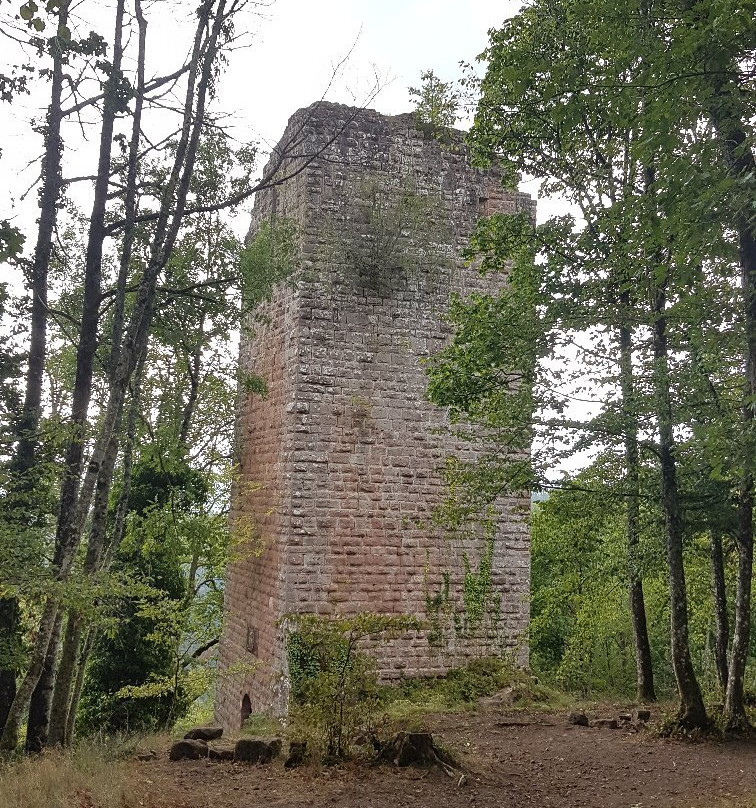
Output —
<point x="465" y="521"/>
<point x="270" y="258"/>
<point x="303" y="661"/>
<point x="436" y="605"/>
<point x="389" y="227"/>
<point x="476" y="585"/>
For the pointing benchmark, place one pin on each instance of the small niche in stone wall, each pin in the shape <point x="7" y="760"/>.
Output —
<point x="252" y="640"/>
<point x="246" y="709"/>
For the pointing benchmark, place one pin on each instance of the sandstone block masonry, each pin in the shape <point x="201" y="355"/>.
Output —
<point x="340" y="462"/>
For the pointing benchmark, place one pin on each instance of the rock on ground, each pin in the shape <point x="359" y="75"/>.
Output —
<point x="204" y="733"/>
<point x="221" y="752"/>
<point x="257" y="750"/>
<point x="188" y="749"/>
<point x="578" y="718"/>
<point x="297" y="754"/>
<point x="606" y="723"/>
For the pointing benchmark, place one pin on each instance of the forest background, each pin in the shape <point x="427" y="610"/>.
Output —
<point x="118" y="383"/>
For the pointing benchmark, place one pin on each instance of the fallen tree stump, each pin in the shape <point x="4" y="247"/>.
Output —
<point x="418" y="749"/>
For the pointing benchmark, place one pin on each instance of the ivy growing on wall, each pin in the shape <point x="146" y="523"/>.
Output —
<point x="270" y="258"/>
<point x="476" y="603"/>
<point x="385" y="232"/>
<point x="476" y="585"/>
<point x="437" y="606"/>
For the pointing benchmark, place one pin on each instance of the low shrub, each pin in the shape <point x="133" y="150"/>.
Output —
<point x="335" y="692"/>
<point x="464" y="686"/>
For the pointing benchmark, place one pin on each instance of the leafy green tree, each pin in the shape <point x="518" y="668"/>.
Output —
<point x="334" y="686"/>
<point x="567" y="100"/>
<point x="436" y="104"/>
<point x="136" y="650"/>
<point x="581" y="634"/>
<point x="144" y="221"/>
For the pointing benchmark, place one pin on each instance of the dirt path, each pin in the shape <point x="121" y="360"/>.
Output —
<point x="513" y="761"/>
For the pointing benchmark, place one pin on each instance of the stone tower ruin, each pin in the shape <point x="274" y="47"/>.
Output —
<point x="340" y="462"/>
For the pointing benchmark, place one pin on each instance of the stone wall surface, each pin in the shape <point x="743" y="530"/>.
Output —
<point x="339" y="464"/>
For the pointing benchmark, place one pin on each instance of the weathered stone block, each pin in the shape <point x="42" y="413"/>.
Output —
<point x="188" y="750"/>
<point x="257" y="750"/>
<point x="204" y="733"/>
<point x="578" y="718"/>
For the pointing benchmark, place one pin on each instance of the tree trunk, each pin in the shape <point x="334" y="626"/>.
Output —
<point x="194" y="368"/>
<point x="10" y="649"/>
<point x="741" y="165"/>
<point x="721" y="618"/>
<point x="69" y="518"/>
<point x="734" y="713"/>
<point x="735" y="717"/>
<point x="644" y="691"/>
<point x="725" y="105"/>
<point x="64" y="681"/>
<point x="92" y="564"/>
<point x="73" y="707"/>
<point x="75" y="499"/>
<point x="39" y="705"/>
<point x="65" y="538"/>
<point x="692" y="713"/>
<point x="130" y="196"/>
<point x="22" y="466"/>
<point x="99" y="555"/>
<point x="24" y="693"/>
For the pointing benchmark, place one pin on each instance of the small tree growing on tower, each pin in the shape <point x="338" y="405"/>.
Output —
<point x="436" y="104"/>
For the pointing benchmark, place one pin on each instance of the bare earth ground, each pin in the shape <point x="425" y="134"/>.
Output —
<point x="512" y="760"/>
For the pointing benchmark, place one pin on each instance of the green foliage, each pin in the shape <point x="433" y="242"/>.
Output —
<point x="580" y="631"/>
<point x="163" y="478"/>
<point x="436" y="105"/>
<point x="334" y="686"/>
<point x="464" y="686"/>
<point x="143" y="674"/>
<point x="476" y="585"/>
<point x="486" y="376"/>
<point x="11" y="85"/>
<point x="629" y="113"/>
<point x="261" y="724"/>
<point x="135" y="653"/>
<point x="437" y="607"/>
<point x="252" y="383"/>
<point x="11" y="241"/>
<point x="383" y="234"/>
<point x="487" y="676"/>
<point x="269" y="259"/>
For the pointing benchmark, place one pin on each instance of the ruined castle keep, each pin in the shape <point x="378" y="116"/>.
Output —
<point x="340" y="462"/>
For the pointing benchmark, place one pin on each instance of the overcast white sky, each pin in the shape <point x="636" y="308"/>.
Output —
<point x="293" y="48"/>
<point x="292" y="58"/>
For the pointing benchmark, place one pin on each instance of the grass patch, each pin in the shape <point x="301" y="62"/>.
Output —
<point x="201" y="714"/>
<point x="88" y="775"/>
<point x="462" y="688"/>
<point x="260" y="724"/>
